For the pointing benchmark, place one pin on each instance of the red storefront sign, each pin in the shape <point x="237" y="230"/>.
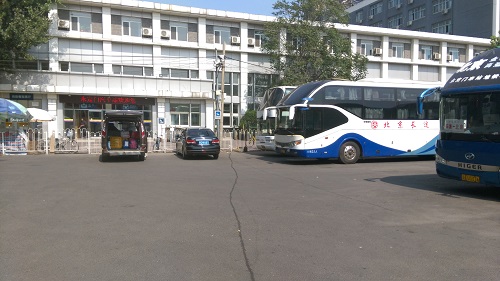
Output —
<point x="105" y="100"/>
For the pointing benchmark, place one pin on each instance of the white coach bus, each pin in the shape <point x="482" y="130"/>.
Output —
<point x="350" y="120"/>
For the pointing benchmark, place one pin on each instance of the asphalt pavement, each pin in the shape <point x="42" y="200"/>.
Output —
<point x="246" y="216"/>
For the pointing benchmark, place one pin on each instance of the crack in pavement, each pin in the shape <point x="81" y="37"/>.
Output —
<point x="242" y="243"/>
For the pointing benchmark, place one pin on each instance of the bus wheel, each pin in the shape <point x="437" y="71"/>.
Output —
<point x="349" y="153"/>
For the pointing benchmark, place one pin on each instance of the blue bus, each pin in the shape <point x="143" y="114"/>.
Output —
<point x="349" y="120"/>
<point x="468" y="148"/>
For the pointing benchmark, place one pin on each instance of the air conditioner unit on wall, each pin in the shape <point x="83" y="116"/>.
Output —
<point x="436" y="56"/>
<point x="410" y="22"/>
<point x="147" y="31"/>
<point x="410" y="1"/>
<point x="449" y="57"/>
<point x="165" y="33"/>
<point x="63" y="24"/>
<point x="445" y="11"/>
<point x="398" y="6"/>
<point x="251" y="41"/>
<point x="377" y="51"/>
<point x="235" y="40"/>
<point x="370" y="17"/>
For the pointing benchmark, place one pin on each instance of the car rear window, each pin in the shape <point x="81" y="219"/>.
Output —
<point x="200" y="133"/>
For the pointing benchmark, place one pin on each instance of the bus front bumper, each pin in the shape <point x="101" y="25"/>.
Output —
<point x="488" y="175"/>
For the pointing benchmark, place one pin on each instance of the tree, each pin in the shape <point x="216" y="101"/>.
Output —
<point x="249" y="120"/>
<point x="494" y="42"/>
<point x="304" y="45"/>
<point x="23" y="24"/>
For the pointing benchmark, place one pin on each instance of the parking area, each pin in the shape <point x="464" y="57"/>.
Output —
<point x="246" y="216"/>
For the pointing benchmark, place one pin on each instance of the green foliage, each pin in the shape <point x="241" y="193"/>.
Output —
<point x="23" y="24"/>
<point x="249" y="120"/>
<point x="494" y="42"/>
<point x="312" y="49"/>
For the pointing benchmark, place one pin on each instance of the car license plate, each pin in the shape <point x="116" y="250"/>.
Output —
<point x="471" y="178"/>
<point x="203" y="142"/>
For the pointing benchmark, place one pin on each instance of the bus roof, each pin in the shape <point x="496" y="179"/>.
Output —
<point x="480" y="74"/>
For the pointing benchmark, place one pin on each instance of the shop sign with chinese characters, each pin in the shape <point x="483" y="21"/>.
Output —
<point x="106" y="100"/>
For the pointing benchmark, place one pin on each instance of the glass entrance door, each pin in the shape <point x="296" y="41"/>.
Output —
<point x="95" y="122"/>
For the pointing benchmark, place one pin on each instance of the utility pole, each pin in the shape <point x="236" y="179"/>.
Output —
<point x="223" y="66"/>
<point x="215" y="88"/>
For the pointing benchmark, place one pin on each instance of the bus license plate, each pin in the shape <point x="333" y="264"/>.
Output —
<point x="471" y="178"/>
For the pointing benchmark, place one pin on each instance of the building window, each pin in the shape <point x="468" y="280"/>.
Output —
<point x="257" y="85"/>
<point x="180" y="73"/>
<point x="397" y="50"/>
<point x="393" y="3"/>
<point x="222" y="35"/>
<point x="131" y="26"/>
<point x="395" y="22"/>
<point x="178" y="31"/>
<point x="366" y="48"/>
<point x="132" y="70"/>
<point x="185" y="114"/>
<point x="416" y="13"/>
<point x="259" y="36"/>
<point x="454" y="53"/>
<point x="376" y="9"/>
<point x="81" y="22"/>
<point x="231" y="83"/>
<point x="32" y="65"/>
<point x="81" y="67"/>
<point x="440" y="6"/>
<point x="359" y="17"/>
<point x="443" y="27"/>
<point x="426" y="52"/>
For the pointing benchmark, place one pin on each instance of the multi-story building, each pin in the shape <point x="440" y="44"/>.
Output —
<point x="161" y="59"/>
<point x="478" y="18"/>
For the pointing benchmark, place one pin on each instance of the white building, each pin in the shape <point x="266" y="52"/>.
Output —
<point x="160" y="59"/>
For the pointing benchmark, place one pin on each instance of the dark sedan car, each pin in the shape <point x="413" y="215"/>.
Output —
<point x="197" y="141"/>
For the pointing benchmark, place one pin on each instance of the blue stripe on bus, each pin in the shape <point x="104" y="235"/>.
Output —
<point x="369" y="148"/>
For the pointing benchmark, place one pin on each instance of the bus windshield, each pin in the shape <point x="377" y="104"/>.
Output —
<point x="471" y="117"/>
<point x="284" y="121"/>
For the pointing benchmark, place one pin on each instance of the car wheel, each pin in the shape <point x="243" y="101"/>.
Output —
<point x="216" y="156"/>
<point x="349" y="153"/>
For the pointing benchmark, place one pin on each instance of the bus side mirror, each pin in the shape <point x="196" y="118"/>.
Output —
<point x="420" y="105"/>
<point x="423" y="95"/>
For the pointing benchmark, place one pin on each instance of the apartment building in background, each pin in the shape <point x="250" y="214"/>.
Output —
<point x="161" y="59"/>
<point x="478" y="18"/>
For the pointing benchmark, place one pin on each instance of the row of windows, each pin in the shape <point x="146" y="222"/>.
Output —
<point x="138" y="27"/>
<point x="128" y="70"/>
<point x="403" y="50"/>
<point x="438" y="6"/>
<point x="398" y="21"/>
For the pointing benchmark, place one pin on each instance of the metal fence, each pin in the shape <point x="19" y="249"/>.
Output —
<point x="36" y="141"/>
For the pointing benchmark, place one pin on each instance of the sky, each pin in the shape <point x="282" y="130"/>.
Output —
<point x="259" y="7"/>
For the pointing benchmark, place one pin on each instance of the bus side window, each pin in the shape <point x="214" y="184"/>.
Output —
<point x="333" y="118"/>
